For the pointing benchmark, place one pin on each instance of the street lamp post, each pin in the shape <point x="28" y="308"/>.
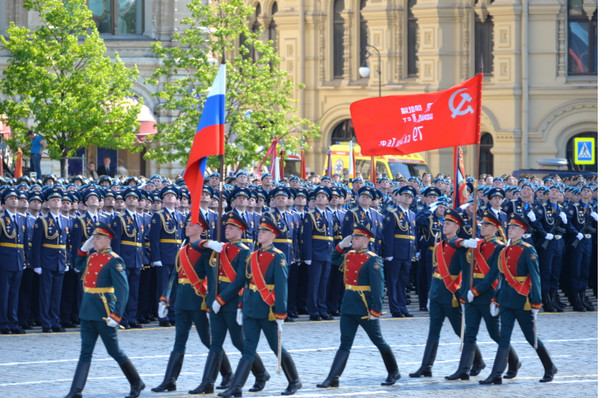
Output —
<point x="365" y="71"/>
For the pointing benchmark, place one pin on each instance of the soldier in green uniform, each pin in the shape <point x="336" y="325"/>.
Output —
<point x="105" y="292"/>
<point x="519" y="297"/>
<point x="448" y="260"/>
<point x="225" y="315"/>
<point x="361" y="305"/>
<point x="477" y="293"/>
<point x="189" y="287"/>
<point x="264" y="308"/>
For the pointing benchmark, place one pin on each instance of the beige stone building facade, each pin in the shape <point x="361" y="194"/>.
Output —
<point x="539" y="58"/>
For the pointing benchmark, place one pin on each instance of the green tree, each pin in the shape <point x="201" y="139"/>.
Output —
<point x="60" y="82"/>
<point x="259" y="103"/>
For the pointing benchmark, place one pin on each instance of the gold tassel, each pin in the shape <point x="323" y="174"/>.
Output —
<point x="527" y="306"/>
<point x="454" y="301"/>
<point x="203" y="306"/>
<point x="271" y="314"/>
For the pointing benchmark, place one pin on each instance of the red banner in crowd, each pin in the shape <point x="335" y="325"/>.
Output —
<point x="404" y="124"/>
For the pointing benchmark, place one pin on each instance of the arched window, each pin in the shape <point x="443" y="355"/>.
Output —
<point x="272" y="29"/>
<point x="570" y="152"/>
<point x="363" y="34"/>
<point x="338" y="39"/>
<point x="411" y="40"/>
<point x="342" y="132"/>
<point x="486" y="158"/>
<point x="583" y="44"/>
<point x="484" y="41"/>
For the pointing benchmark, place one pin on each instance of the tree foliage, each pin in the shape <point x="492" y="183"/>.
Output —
<point x="259" y="103"/>
<point x="60" y="82"/>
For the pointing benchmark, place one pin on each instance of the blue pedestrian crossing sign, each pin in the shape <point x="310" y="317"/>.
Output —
<point x="585" y="150"/>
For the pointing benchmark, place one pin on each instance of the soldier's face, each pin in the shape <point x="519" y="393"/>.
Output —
<point x="280" y="201"/>
<point x="364" y="201"/>
<point x="450" y="228"/>
<point x="11" y="202"/>
<point x="406" y="199"/>
<point x="192" y="229"/>
<point x="232" y="232"/>
<point x="265" y="237"/>
<point x="360" y="242"/>
<point x="101" y="242"/>
<point x="92" y="201"/>
<point x="496" y="201"/>
<point x="430" y="199"/>
<point x="53" y="204"/>
<point x="515" y="232"/>
<point x="488" y="230"/>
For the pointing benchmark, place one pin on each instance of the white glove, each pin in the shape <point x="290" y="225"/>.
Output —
<point x="111" y="322"/>
<point x="157" y="264"/>
<point x="594" y="215"/>
<point x="563" y="217"/>
<point x="38" y="270"/>
<point x="216" y="306"/>
<point x="279" y="325"/>
<point x="308" y="262"/>
<point x="214" y="245"/>
<point x="494" y="309"/>
<point x="470" y="243"/>
<point x="67" y="268"/>
<point x="588" y="236"/>
<point x="470" y="296"/>
<point x="88" y="245"/>
<point x="239" y="317"/>
<point x="372" y="317"/>
<point x="535" y="311"/>
<point x="418" y="256"/>
<point x="428" y="304"/>
<point x="549" y="236"/>
<point x="346" y="242"/>
<point x="579" y="236"/>
<point x="464" y="206"/>
<point x="433" y="206"/>
<point x="163" y="310"/>
<point x="531" y="216"/>
<point x="388" y="258"/>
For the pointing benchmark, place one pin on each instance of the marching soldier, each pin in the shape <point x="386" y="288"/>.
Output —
<point x="165" y="239"/>
<point x="519" y="297"/>
<point x="317" y="244"/>
<point x="478" y="294"/>
<point x="13" y="238"/>
<point x="399" y="249"/>
<point x="49" y="259"/>
<point x="448" y="260"/>
<point x="225" y="315"/>
<point x="361" y="214"/>
<point x="128" y="244"/>
<point x="105" y="293"/>
<point x="189" y="288"/>
<point x="361" y="305"/>
<point x="264" y="308"/>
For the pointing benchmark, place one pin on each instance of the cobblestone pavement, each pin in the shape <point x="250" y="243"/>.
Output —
<point x="42" y="365"/>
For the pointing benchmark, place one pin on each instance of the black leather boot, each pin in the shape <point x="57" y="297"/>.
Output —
<point x="226" y="372"/>
<point x="547" y="303"/>
<point x="558" y="305"/>
<point x="260" y="373"/>
<point x="239" y="379"/>
<point x="137" y="385"/>
<point x="428" y="360"/>
<point x="391" y="366"/>
<point x="337" y="368"/>
<point x="173" y="369"/>
<point x="585" y="301"/>
<point x="211" y="371"/>
<point x="289" y="369"/>
<point x="513" y="364"/>
<point x="577" y="303"/>
<point x="549" y="368"/>
<point x="466" y="360"/>
<point x="499" y="365"/>
<point x="79" y="379"/>
<point x="478" y="363"/>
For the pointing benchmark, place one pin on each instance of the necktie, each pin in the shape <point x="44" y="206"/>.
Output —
<point x="14" y="217"/>
<point x="94" y="219"/>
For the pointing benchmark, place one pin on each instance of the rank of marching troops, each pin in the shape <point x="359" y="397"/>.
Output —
<point x="406" y="226"/>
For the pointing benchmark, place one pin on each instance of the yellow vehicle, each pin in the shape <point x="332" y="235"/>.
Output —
<point x="389" y="165"/>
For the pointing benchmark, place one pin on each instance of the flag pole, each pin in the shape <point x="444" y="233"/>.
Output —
<point x="220" y="203"/>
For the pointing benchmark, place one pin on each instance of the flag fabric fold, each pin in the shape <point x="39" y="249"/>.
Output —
<point x="208" y="141"/>
<point x="405" y="124"/>
<point x="351" y="167"/>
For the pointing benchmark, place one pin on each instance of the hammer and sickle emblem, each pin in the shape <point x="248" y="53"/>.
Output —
<point x="458" y="110"/>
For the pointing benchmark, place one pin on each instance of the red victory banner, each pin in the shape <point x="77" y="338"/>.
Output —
<point x="404" y="124"/>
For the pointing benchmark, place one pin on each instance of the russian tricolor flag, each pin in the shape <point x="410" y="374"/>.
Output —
<point x="209" y="140"/>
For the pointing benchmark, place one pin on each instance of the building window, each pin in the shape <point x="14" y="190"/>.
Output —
<point x="411" y="46"/>
<point x="338" y="39"/>
<point x="570" y="153"/>
<point x="118" y="17"/>
<point x="486" y="158"/>
<point x="363" y="34"/>
<point x="583" y="43"/>
<point x="343" y="132"/>
<point x="484" y="44"/>
<point x="272" y="29"/>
